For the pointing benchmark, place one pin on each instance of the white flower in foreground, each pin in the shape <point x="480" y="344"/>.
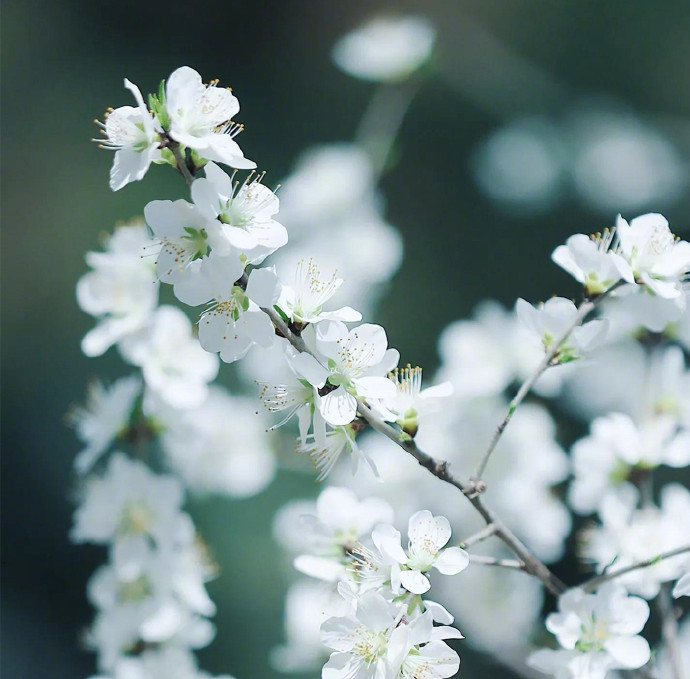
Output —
<point x="649" y="254"/>
<point x="378" y="642"/>
<point x="586" y="258"/>
<point x="427" y="536"/>
<point x="598" y="632"/>
<point x="129" y="500"/>
<point x="105" y="416"/>
<point x="234" y="322"/>
<point x="304" y="302"/>
<point x="682" y="587"/>
<point x="410" y="401"/>
<point x="185" y="236"/>
<point x="386" y="49"/>
<point x="200" y="118"/>
<point x="173" y="364"/>
<point x="133" y="133"/>
<point x="121" y="291"/>
<point x="553" y="319"/>
<point x="245" y="212"/>
<point x="628" y="536"/>
<point x="616" y="446"/>
<point x="356" y="360"/>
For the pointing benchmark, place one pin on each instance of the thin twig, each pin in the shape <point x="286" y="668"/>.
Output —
<point x="583" y="310"/>
<point x="478" y="537"/>
<point x="593" y="583"/>
<point x="669" y="630"/>
<point x="491" y="561"/>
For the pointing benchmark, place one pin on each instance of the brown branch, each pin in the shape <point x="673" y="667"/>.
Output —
<point x="595" y="582"/>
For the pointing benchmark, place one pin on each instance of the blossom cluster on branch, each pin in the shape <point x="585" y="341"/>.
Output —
<point x="277" y="307"/>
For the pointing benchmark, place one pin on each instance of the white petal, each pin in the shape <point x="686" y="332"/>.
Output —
<point x="415" y="582"/>
<point x="452" y="560"/>
<point x="338" y="407"/>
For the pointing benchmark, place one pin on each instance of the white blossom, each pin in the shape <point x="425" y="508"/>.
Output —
<point x="245" y="212"/>
<point x="386" y="48"/>
<point x="134" y="135"/>
<point x="682" y="587"/>
<point x="105" y="416"/>
<point x="129" y="500"/>
<point x="121" y="291"/>
<point x="234" y="322"/>
<point x="303" y="303"/>
<point x="628" y="536"/>
<point x="553" y="319"/>
<point x="356" y="361"/>
<point x="649" y="254"/>
<point x="616" y="446"/>
<point x="220" y="446"/>
<point x="173" y="364"/>
<point x="597" y="632"/>
<point x="200" y="118"/>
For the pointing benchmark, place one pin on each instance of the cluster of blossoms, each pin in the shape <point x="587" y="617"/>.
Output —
<point x="369" y="613"/>
<point x="152" y="607"/>
<point x="315" y="361"/>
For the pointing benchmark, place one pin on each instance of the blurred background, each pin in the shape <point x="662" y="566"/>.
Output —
<point x="536" y="120"/>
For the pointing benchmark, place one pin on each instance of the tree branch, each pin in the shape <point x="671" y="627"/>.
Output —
<point x="583" y="310"/>
<point x="491" y="561"/>
<point x="593" y="583"/>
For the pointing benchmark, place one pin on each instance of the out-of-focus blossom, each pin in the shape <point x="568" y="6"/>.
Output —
<point x="597" y="632"/>
<point x="106" y="414"/>
<point x="386" y="48"/>
<point x="121" y="291"/>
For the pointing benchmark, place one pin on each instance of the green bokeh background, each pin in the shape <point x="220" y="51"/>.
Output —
<point x="63" y="64"/>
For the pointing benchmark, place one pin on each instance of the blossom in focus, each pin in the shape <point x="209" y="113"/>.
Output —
<point x="121" y="291"/>
<point x="553" y="320"/>
<point x="245" y="212"/>
<point x="649" y="254"/>
<point x="200" y="118"/>
<point x="185" y="235"/>
<point x="410" y="401"/>
<point x="173" y="364"/>
<point x="105" y="416"/>
<point x="303" y="302"/>
<point x="386" y="48"/>
<point x="134" y="135"/>
<point x="234" y="322"/>
<point x="356" y="360"/>
<point x="377" y="641"/>
<point x="597" y="633"/>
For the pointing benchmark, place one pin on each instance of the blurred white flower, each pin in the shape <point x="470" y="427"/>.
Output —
<point x="622" y="163"/>
<point x="106" y="414"/>
<point x="616" y="446"/>
<point x="522" y="165"/>
<point x="598" y="632"/>
<point x="386" y="48"/>
<point x="121" y="291"/>
<point x="221" y="446"/>
<point x="682" y="587"/>
<point x="552" y="320"/>
<point x="130" y="500"/>
<point x="629" y="535"/>
<point x="333" y="214"/>
<point x="173" y="363"/>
